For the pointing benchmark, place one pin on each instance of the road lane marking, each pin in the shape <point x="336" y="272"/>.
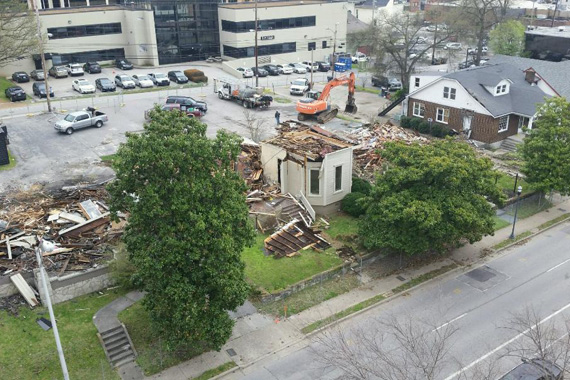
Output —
<point x="453" y="320"/>
<point x="462" y="370"/>
<point x="556" y="266"/>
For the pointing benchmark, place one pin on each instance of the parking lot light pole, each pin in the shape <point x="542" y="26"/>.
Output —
<point x="256" y="60"/>
<point x="45" y="246"/>
<point x="519" y="191"/>
<point x="42" y="56"/>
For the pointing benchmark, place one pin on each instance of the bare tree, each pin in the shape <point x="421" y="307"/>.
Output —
<point x="18" y="37"/>
<point x="255" y="126"/>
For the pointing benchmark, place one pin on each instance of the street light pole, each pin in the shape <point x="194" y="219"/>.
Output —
<point x="334" y="49"/>
<point x="256" y="62"/>
<point x="62" y="362"/>
<point x="519" y="191"/>
<point x="42" y="56"/>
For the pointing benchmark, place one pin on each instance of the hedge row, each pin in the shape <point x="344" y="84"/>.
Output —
<point x="422" y="126"/>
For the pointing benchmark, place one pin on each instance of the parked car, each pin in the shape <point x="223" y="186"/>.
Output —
<point x="298" y="68"/>
<point x="92" y="68"/>
<point x="83" y="86"/>
<point x="143" y="81"/>
<point x="285" y="69"/>
<point x="188" y="110"/>
<point x="359" y="57"/>
<point x="245" y="72"/>
<point x="20" y="77"/>
<point x="323" y="66"/>
<point x="311" y="66"/>
<point x="177" y="77"/>
<point x="259" y="72"/>
<point x="473" y="51"/>
<point x="159" y="79"/>
<point x="123" y="64"/>
<point x="187" y="101"/>
<point x="15" y="93"/>
<point x="81" y="119"/>
<point x="124" y="81"/>
<point x="535" y="369"/>
<point x="394" y="84"/>
<point x="380" y="81"/>
<point x="420" y="40"/>
<point x="432" y="28"/>
<point x="39" y="89"/>
<point x="271" y="69"/>
<point x="58" y="72"/>
<point x="105" y="85"/>
<point x="453" y="46"/>
<point x="465" y="64"/>
<point x="74" y="69"/>
<point x="299" y="86"/>
<point x="37" y="75"/>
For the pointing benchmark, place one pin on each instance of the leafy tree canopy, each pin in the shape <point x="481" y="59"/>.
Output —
<point x="546" y="148"/>
<point x="188" y="225"/>
<point x="508" y="38"/>
<point x="430" y="197"/>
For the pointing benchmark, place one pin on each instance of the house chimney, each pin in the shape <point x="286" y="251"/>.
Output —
<point x="530" y="76"/>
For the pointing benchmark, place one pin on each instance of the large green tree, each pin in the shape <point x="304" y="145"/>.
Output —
<point x="18" y="31"/>
<point x="508" y="38"/>
<point x="429" y="198"/>
<point x="187" y="227"/>
<point x="546" y="148"/>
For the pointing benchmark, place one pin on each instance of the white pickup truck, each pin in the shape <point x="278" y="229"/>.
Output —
<point x="81" y="119"/>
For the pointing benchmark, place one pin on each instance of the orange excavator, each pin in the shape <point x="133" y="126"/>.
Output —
<point x="317" y="104"/>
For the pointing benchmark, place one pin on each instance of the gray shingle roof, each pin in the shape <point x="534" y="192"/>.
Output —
<point x="557" y="74"/>
<point x="522" y="97"/>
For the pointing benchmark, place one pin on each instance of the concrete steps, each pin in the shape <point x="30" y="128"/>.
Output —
<point x="117" y="345"/>
<point x="510" y="144"/>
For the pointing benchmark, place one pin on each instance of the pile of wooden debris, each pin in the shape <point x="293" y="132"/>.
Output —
<point x="78" y="223"/>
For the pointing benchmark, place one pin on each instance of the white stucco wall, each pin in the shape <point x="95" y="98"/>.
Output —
<point x="138" y="36"/>
<point x="425" y="79"/>
<point x="270" y="156"/>
<point x="434" y="94"/>
<point x="327" y="15"/>
<point x="332" y="160"/>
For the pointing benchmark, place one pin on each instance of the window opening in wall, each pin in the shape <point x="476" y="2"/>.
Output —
<point x="338" y="178"/>
<point x="314" y="185"/>
<point x="449" y="93"/>
<point x="442" y="115"/>
<point x="417" y="82"/>
<point x="504" y="123"/>
<point x="324" y="44"/>
<point x="419" y="109"/>
<point x="312" y="46"/>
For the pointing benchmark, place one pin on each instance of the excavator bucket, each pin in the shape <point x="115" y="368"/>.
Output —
<point x="350" y="105"/>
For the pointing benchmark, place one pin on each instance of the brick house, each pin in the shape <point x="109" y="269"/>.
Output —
<point x="487" y="103"/>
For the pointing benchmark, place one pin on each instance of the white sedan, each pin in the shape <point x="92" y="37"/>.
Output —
<point x="246" y="72"/>
<point x="284" y="69"/>
<point x="143" y="81"/>
<point x="298" y="68"/>
<point x="83" y="86"/>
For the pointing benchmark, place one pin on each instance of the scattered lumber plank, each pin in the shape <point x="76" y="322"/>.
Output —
<point x="24" y="289"/>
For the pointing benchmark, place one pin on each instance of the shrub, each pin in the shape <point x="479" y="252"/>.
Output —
<point x="405" y="122"/>
<point x="199" y="79"/>
<point x="121" y="269"/>
<point x="437" y="130"/>
<point x="190" y="73"/>
<point x="415" y="123"/>
<point x="423" y="127"/>
<point x="351" y="206"/>
<point x="360" y="185"/>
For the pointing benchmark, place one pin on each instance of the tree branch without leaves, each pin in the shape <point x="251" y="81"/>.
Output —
<point x="18" y="35"/>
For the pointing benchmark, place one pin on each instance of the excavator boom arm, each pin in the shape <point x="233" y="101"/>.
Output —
<point x="339" y="81"/>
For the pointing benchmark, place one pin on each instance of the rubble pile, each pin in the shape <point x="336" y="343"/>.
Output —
<point x="367" y="159"/>
<point x="78" y="223"/>
<point x="249" y="165"/>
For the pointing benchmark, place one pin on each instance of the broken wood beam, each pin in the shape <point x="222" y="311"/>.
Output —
<point x="86" y="226"/>
<point x="25" y="290"/>
<point x="9" y="248"/>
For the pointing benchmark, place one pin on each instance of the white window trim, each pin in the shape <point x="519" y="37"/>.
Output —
<point x="452" y="93"/>
<point x="310" y="176"/>
<point x="420" y="107"/>
<point x="341" y="174"/>
<point x="437" y="112"/>
<point x="417" y="82"/>
<point x="507" y="124"/>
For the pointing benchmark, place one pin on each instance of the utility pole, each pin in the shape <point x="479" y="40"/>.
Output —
<point x="256" y="62"/>
<point x="42" y="56"/>
<point x="334" y="49"/>
<point x="373" y="12"/>
<point x="312" y="63"/>
<point x="554" y="14"/>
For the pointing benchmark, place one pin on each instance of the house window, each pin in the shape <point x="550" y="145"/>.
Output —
<point x="338" y="178"/>
<point x="504" y="123"/>
<point x="312" y="46"/>
<point x="442" y="115"/>
<point x="501" y="89"/>
<point x="419" y="109"/>
<point x="324" y="44"/>
<point x="449" y="93"/>
<point x="314" y="179"/>
<point x="417" y="82"/>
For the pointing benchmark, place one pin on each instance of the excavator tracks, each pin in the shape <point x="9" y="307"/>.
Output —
<point x="327" y="116"/>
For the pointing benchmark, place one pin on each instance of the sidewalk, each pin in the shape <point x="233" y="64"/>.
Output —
<point x="258" y="336"/>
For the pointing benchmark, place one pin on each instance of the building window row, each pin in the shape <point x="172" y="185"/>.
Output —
<point x="249" y="51"/>
<point x="278" y="23"/>
<point x="87" y="56"/>
<point x="84" y="30"/>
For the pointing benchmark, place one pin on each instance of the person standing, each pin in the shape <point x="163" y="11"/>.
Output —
<point x="277" y="116"/>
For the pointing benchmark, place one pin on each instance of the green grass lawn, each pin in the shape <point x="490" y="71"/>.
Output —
<point x="4" y="84"/>
<point x="506" y="183"/>
<point x="29" y="352"/>
<point x="11" y="164"/>
<point x="108" y="158"/>
<point x="371" y="90"/>
<point x="275" y="274"/>
<point x="153" y="355"/>
<point x="500" y="223"/>
<point x="342" y="225"/>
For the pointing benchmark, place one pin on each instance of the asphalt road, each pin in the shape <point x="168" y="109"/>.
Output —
<point x="532" y="275"/>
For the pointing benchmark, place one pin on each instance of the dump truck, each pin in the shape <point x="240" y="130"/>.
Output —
<point x="247" y="96"/>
